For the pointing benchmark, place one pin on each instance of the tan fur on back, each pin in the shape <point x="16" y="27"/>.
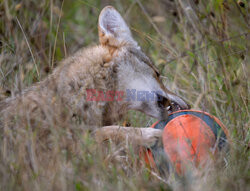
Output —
<point x="66" y="88"/>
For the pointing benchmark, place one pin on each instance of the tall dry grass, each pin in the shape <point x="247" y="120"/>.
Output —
<point x="202" y="51"/>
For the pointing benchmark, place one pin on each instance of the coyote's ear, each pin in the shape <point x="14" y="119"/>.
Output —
<point x="113" y="31"/>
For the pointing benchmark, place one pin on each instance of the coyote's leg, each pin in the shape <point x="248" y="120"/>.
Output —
<point x="138" y="136"/>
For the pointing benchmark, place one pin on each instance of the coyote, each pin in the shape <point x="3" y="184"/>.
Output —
<point x="117" y="64"/>
<point x="39" y="124"/>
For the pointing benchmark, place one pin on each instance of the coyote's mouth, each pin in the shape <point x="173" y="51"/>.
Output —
<point x="174" y="107"/>
<point x="170" y="106"/>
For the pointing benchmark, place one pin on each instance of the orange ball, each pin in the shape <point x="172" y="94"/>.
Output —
<point x="189" y="138"/>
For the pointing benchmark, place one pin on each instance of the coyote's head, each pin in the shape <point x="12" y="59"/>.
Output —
<point x="136" y="74"/>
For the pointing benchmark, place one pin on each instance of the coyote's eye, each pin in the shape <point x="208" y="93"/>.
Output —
<point x="141" y="56"/>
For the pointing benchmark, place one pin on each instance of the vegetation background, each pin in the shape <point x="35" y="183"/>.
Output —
<point x="200" y="47"/>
